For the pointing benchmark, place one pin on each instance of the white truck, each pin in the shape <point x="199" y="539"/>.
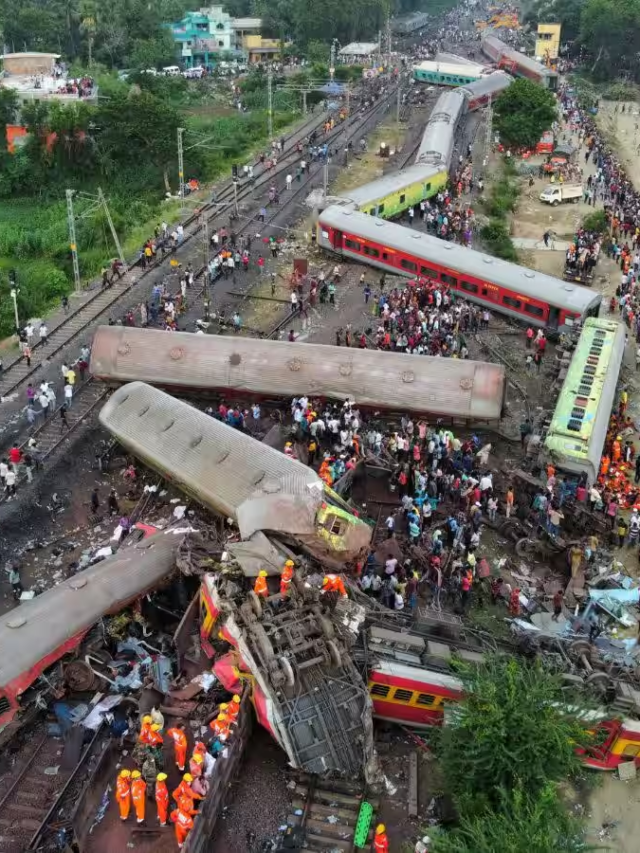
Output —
<point x="556" y="193"/>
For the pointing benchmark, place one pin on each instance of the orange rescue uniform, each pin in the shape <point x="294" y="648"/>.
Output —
<point x="138" y="795"/>
<point x="162" y="802"/>
<point x="381" y="843"/>
<point x="285" y="580"/>
<point x="185" y="790"/>
<point x="220" y="728"/>
<point x="123" y="796"/>
<point x="334" y="584"/>
<point x="180" y="744"/>
<point x="260" y="587"/>
<point x="184" y="825"/>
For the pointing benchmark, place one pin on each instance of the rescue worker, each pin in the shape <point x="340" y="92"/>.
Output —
<point x="138" y="794"/>
<point x="380" y="841"/>
<point x="184" y="791"/>
<point x="195" y="764"/>
<point x="155" y="738"/>
<point x="334" y="583"/>
<point x="179" y="739"/>
<point x="123" y="793"/>
<point x="260" y="587"/>
<point x="145" y="729"/>
<point x="162" y="798"/>
<point x="220" y="727"/>
<point x="184" y="824"/>
<point x="234" y="708"/>
<point x="286" y="577"/>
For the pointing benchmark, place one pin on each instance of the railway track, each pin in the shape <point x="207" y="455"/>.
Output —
<point x="330" y="816"/>
<point x="216" y="212"/>
<point x="34" y="790"/>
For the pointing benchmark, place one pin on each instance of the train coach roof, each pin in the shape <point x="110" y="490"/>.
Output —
<point x="418" y="674"/>
<point x="224" y="468"/>
<point x="490" y="85"/>
<point x="37" y="628"/>
<point x="451" y="387"/>
<point x="388" y="184"/>
<point x="535" y="285"/>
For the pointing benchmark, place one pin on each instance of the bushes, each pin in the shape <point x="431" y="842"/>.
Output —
<point x="501" y="202"/>
<point x="596" y="221"/>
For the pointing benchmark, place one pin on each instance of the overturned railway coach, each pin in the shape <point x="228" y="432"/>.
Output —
<point x="452" y="389"/>
<point x="518" y="292"/>
<point x="508" y="59"/>
<point x="231" y="473"/>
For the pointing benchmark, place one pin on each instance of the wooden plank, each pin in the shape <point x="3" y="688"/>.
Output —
<point x="413" y="785"/>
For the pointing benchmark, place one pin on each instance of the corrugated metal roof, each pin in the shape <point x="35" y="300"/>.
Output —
<point x="449" y="67"/>
<point x="49" y="620"/>
<point x="382" y="380"/>
<point x="536" y="285"/>
<point x="220" y="466"/>
<point x="382" y="187"/>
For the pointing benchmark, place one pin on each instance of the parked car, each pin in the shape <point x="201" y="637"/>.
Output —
<point x="194" y="73"/>
<point x="171" y="71"/>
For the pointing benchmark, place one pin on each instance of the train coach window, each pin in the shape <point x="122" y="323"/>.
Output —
<point x="449" y="279"/>
<point x="380" y="209"/>
<point x="352" y="244"/>
<point x="408" y="265"/>
<point x="534" y="310"/>
<point x="380" y="690"/>
<point x="403" y="695"/>
<point x="469" y="287"/>
<point x="428" y="272"/>
<point x="513" y="303"/>
<point x="374" y="253"/>
<point x="425" y="699"/>
<point x="385" y="256"/>
<point x="402" y="198"/>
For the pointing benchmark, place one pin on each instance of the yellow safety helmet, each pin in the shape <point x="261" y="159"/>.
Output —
<point x="156" y="727"/>
<point x="161" y="777"/>
<point x="198" y="758"/>
<point x="187" y="777"/>
<point x="136" y="774"/>
<point x="223" y="706"/>
<point x="147" y="719"/>
<point x="380" y="828"/>
<point x="125" y="773"/>
<point x="287" y="444"/>
<point x="289" y="563"/>
<point x="325" y="581"/>
<point x="222" y="716"/>
<point x="263" y="574"/>
<point x="236" y="698"/>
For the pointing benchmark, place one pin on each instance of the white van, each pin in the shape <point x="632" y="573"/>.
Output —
<point x="171" y="71"/>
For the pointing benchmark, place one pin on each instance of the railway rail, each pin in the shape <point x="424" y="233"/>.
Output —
<point x="37" y="790"/>
<point x="99" y="300"/>
<point x="330" y="816"/>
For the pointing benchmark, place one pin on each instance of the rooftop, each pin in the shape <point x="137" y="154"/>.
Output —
<point x="360" y="48"/>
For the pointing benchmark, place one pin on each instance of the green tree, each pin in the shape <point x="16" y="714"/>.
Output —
<point x="153" y="52"/>
<point x="510" y="731"/>
<point x="610" y="30"/>
<point x="523" y="112"/>
<point x="565" y="12"/>
<point x="138" y="128"/>
<point x="521" y="824"/>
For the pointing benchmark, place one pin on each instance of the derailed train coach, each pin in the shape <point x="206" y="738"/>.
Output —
<point x="508" y="59"/>
<point x="454" y="390"/>
<point x="234" y="475"/>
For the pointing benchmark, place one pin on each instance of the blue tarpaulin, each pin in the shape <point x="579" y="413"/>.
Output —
<point x="332" y="88"/>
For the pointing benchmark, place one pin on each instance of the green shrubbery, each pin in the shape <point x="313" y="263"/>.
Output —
<point x="502" y="201"/>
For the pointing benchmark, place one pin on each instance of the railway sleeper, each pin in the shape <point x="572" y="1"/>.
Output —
<point x="317" y="841"/>
<point x="323" y="795"/>
<point x="349" y="815"/>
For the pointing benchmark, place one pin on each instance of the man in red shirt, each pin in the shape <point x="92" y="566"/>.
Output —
<point x="15" y="456"/>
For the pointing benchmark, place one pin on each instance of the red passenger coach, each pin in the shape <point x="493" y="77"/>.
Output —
<point x="411" y="695"/>
<point x="521" y="293"/>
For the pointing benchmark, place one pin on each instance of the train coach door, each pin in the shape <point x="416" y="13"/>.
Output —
<point x="337" y="239"/>
<point x="554" y="318"/>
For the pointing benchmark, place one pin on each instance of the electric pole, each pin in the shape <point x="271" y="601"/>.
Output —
<point x="398" y="101"/>
<point x="388" y="42"/>
<point x="73" y="245"/>
<point x="304" y="101"/>
<point x="102" y="200"/>
<point x="205" y="249"/>
<point x="181" y="168"/>
<point x="270" y="102"/>
<point x="332" y="60"/>
<point x="488" y="134"/>
<point x="325" y="179"/>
